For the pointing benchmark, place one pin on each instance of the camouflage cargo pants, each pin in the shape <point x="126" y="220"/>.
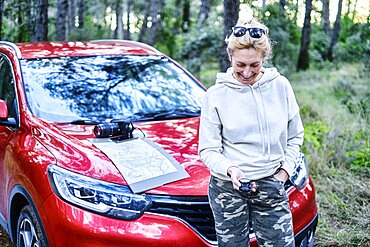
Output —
<point x="267" y="210"/>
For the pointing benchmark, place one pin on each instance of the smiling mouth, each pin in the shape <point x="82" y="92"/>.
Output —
<point x="247" y="78"/>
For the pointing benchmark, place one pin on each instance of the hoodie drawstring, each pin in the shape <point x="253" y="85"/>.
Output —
<point x="260" y="123"/>
<point x="267" y="124"/>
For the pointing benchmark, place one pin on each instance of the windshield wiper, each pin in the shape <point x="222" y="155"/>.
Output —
<point x="168" y="114"/>
<point x="176" y="113"/>
<point x="83" y="121"/>
<point x="161" y="115"/>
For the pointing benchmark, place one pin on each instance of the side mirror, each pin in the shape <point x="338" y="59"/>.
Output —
<point x="3" y="110"/>
<point x="5" y="120"/>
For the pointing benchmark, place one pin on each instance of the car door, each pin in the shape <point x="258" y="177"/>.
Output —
<point x="7" y="129"/>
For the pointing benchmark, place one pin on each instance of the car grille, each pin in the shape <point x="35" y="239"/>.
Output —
<point x="195" y="211"/>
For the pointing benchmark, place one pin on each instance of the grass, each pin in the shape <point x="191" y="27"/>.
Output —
<point x="208" y="74"/>
<point x="336" y="103"/>
<point x="335" y="108"/>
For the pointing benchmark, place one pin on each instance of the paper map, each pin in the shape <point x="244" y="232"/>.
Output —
<point x="144" y="164"/>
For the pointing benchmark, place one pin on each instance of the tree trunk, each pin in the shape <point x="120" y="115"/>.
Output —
<point x="41" y="24"/>
<point x="81" y="13"/>
<point x="1" y="18"/>
<point x="119" y="29"/>
<point x="71" y="16"/>
<point x="296" y="8"/>
<point x="152" y="34"/>
<point x="231" y="12"/>
<point x="335" y="33"/>
<point x="304" y="57"/>
<point x="355" y="11"/>
<point x="30" y="22"/>
<point x="348" y="7"/>
<point x="282" y="4"/>
<point x="204" y="12"/>
<point x="186" y="16"/>
<point x="127" y="32"/>
<point x="22" y="30"/>
<point x="144" y="27"/>
<point x="178" y="24"/>
<point x="60" y="29"/>
<point x="325" y="16"/>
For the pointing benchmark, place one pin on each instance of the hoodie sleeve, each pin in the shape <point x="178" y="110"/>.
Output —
<point x="210" y="139"/>
<point x="295" y="132"/>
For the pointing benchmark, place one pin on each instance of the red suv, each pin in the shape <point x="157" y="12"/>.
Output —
<point x="98" y="147"/>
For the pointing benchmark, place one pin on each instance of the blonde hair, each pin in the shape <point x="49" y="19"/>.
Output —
<point x="262" y="44"/>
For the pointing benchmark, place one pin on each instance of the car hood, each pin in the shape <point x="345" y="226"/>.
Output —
<point x="73" y="146"/>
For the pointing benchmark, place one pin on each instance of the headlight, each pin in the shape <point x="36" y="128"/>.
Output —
<point x="101" y="197"/>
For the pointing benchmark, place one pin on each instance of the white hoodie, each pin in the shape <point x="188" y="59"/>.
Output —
<point x="257" y="128"/>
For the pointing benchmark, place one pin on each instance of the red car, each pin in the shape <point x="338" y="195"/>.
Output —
<point x="98" y="147"/>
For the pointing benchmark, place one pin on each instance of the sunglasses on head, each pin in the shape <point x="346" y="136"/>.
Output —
<point x="254" y="32"/>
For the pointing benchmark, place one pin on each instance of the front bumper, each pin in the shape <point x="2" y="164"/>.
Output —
<point x="72" y="226"/>
<point x="306" y="237"/>
<point x="172" y="221"/>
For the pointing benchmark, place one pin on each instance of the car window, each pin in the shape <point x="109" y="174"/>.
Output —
<point x="108" y="87"/>
<point x="7" y="89"/>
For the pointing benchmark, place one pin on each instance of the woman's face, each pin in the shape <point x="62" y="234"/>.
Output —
<point x="247" y="65"/>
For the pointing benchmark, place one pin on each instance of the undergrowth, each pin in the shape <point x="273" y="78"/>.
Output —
<point x="335" y="111"/>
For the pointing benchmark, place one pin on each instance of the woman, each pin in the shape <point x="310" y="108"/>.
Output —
<point x="250" y="129"/>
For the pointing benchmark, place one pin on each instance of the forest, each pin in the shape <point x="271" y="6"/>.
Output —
<point x="322" y="46"/>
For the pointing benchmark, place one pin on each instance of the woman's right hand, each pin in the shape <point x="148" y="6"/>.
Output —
<point x="235" y="174"/>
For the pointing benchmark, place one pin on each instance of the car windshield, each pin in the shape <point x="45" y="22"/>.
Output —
<point x="103" y="88"/>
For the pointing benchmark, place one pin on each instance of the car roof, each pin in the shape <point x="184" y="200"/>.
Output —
<point x="97" y="47"/>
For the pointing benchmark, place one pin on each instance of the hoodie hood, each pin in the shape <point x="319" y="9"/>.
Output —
<point x="228" y="79"/>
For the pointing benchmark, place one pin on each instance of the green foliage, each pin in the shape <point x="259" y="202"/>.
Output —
<point x="360" y="152"/>
<point x="15" y="22"/>
<point x="319" y="45"/>
<point x="90" y="31"/>
<point x="353" y="41"/>
<point x="337" y="149"/>
<point x="284" y="34"/>
<point x="315" y="133"/>
<point x="200" y="46"/>
<point x="339" y="131"/>
<point x="208" y="74"/>
<point x="343" y="207"/>
<point x="357" y="101"/>
<point x="188" y="45"/>
<point x="168" y="41"/>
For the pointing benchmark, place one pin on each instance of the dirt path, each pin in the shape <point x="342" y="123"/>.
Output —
<point x="4" y="239"/>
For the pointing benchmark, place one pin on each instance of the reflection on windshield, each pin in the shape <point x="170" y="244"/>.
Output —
<point x="106" y="87"/>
